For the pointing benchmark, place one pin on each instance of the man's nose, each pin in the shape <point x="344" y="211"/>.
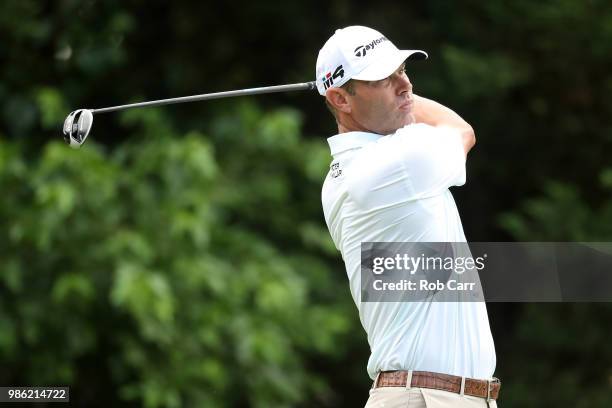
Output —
<point x="403" y="83"/>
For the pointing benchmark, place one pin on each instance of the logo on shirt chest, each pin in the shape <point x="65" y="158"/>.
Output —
<point x="336" y="171"/>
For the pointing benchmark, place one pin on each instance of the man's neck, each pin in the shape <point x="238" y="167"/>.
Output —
<point x="346" y="125"/>
<point x="343" y="129"/>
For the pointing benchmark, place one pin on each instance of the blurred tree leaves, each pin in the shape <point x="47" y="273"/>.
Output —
<point x="562" y="214"/>
<point x="164" y="254"/>
<point x="562" y="344"/>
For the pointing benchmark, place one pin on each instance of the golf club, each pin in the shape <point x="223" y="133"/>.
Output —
<point x="78" y="123"/>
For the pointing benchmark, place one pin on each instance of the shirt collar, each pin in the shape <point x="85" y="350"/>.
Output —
<point x="350" y="140"/>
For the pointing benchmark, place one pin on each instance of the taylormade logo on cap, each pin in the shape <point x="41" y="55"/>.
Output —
<point x="362" y="50"/>
<point x="358" y="52"/>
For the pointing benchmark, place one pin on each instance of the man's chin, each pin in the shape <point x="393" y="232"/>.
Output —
<point x="405" y="121"/>
<point x="409" y="120"/>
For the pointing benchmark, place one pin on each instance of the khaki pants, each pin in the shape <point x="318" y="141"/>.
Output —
<point x="400" y="397"/>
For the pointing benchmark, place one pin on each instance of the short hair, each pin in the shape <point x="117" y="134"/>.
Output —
<point x="349" y="87"/>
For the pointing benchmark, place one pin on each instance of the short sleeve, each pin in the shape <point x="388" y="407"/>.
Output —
<point x="434" y="158"/>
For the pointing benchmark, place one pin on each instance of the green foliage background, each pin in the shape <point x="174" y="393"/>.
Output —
<point x="180" y="258"/>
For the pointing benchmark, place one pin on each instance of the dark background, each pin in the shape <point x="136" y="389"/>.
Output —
<point x="180" y="258"/>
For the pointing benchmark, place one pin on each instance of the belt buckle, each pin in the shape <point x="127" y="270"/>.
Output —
<point x="489" y="384"/>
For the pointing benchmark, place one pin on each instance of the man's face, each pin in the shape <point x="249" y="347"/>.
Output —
<point x="383" y="106"/>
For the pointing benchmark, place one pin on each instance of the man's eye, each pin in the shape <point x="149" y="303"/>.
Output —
<point x="380" y="82"/>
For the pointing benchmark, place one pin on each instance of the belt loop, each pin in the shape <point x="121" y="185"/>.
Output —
<point x="488" y="391"/>
<point x="375" y="383"/>
<point x="409" y="380"/>
<point x="462" y="390"/>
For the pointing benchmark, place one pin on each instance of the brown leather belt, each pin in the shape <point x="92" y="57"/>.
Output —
<point x="424" y="379"/>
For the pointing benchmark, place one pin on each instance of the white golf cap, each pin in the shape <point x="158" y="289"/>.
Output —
<point x="359" y="52"/>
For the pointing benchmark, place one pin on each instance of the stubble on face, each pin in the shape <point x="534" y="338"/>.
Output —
<point x="384" y="106"/>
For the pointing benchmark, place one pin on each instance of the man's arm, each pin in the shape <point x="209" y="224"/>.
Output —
<point x="438" y="115"/>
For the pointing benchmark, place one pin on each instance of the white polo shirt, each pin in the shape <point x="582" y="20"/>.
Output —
<point x="395" y="189"/>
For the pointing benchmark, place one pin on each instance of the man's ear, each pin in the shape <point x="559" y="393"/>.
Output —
<point x="338" y="98"/>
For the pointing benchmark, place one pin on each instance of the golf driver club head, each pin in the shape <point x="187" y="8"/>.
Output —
<point x="77" y="126"/>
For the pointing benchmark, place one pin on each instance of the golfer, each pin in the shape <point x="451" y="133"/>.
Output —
<point x="393" y="160"/>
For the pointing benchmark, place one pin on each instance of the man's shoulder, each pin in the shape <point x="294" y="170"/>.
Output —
<point x="414" y="131"/>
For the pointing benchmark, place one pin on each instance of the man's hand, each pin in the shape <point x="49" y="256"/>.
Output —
<point x="438" y="115"/>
